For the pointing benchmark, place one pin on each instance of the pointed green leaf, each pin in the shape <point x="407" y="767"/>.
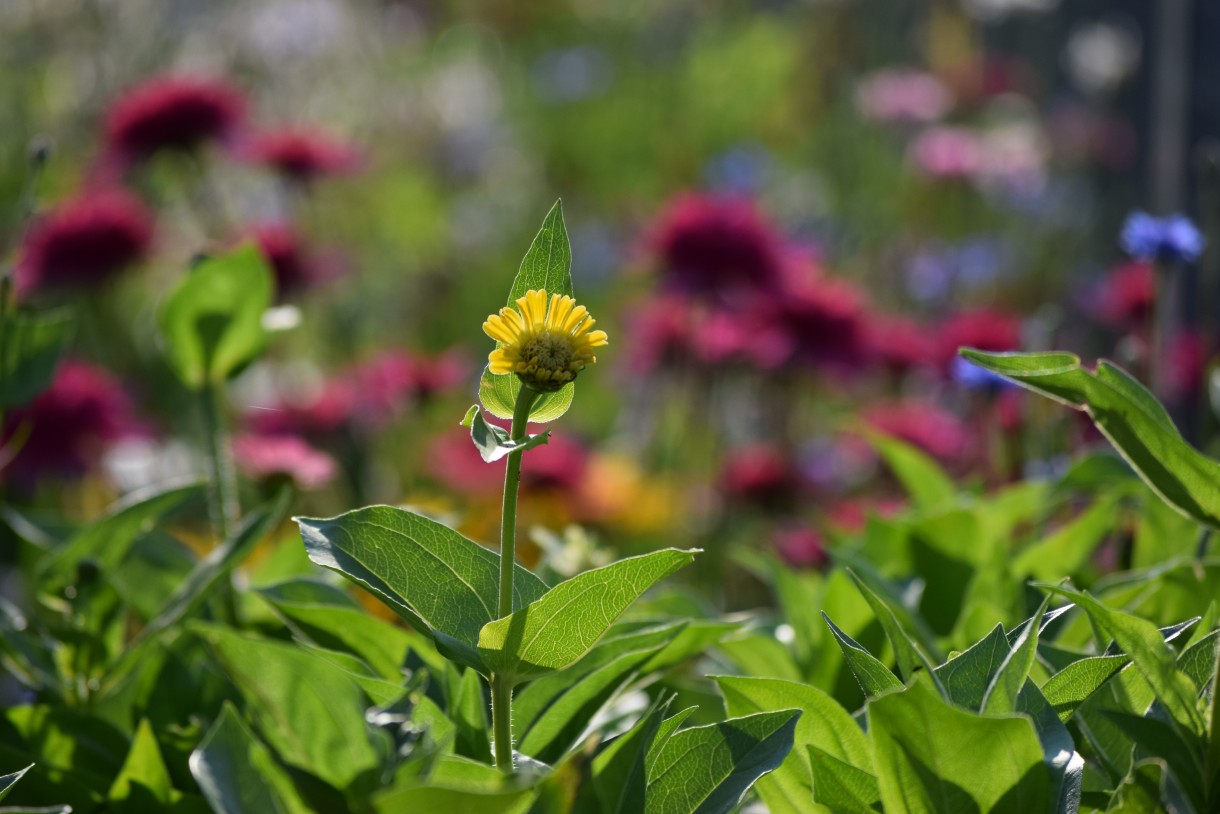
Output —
<point x="9" y="780"/>
<point x="1199" y="660"/>
<point x="967" y="675"/>
<point x="144" y="783"/>
<point x="213" y="320"/>
<point x="619" y="778"/>
<point x="708" y="769"/>
<point x="238" y="775"/>
<point x="1067" y="689"/>
<point x="823" y="724"/>
<point x="1145" y="644"/>
<point x="906" y="651"/>
<point x="842" y="787"/>
<point x="547" y="266"/>
<point x="557" y="629"/>
<point x="1182" y="753"/>
<point x="924" y="480"/>
<point x="1130" y="417"/>
<point x="874" y="677"/>
<point x="436" y="579"/>
<point x="935" y="758"/>
<point x="1006" y="684"/>
<point x="30" y="347"/>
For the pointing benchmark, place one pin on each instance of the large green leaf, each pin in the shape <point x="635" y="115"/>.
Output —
<point x="1063" y="553"/>
<point x="841" y="787"/>
<point x="213" y="320"/>
<point x="30" y="347"/>
<point x="1130" y="417"/>
<point x="1182" y="753"/>
<point x="1006" y="684"/>
<point x="237" y="774"/>
<point x="308" y="709"/>
<point x="823" y="724"/>
<point x="1145" y="644"/>
<point x="436" y="579"/>
<point x="935" y="758"/>
<point x="559" y="627"/>
<point x="708" y="769"/>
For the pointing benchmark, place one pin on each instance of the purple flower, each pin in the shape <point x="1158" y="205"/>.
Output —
<point x="972" y="377"/>
<point x="1173" y="239"/>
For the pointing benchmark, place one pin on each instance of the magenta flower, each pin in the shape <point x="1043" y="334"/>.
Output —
<point x="84" y="242"/>
<point x="261" y="457"/>
<point x="172" y="113"/>
<point x="760" y="475"/>
<point x="819" y="320"/>
<point x="715" y="247"/>
<point x="300" y="154"/>
<point x="984" y="329"/>
<point x="69" y="425"/>
<point x="801" y="547"/>
<point x="295" y="266"/>
<point x="1126" y="298"/>
<point x="903" y="95"/>
<point x="899" y="345"/>
<point x="947" y="152"/>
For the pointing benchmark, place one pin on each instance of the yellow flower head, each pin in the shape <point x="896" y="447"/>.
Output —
<point x="545" y="345"/>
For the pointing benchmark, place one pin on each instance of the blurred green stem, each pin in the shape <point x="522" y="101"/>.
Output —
<point x="222" y="486"/>
<point x="501" y="686"/>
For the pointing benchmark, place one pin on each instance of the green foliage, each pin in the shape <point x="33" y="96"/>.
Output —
<point x="493" y="442"/>
<point x="31" y="345"/>
<point x="213" y="320"/>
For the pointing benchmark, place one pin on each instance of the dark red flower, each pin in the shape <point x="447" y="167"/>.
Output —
<point x="558" y="465"/>
<point x="852" y="515"/>
<point x="295" y="265"/>
<point x="801" y="547"/>
<point x="983" y="329"/>
<point x="300" y="154"/>
<point x="314" y="418"/>
<point x="70" y="424"/>
<point x="1126" y="298"/>
<point x="84" y="242"/>
<point x="899" y="345"/>
<point x="715" y="247"/>
<point x="760" y="475"/>
<point x="269" y="456"/>
<point x="1186" y="358"/>
<point x="817" y="319"/>
<point x="922" y="424"/>
<point x="172" y="112"/>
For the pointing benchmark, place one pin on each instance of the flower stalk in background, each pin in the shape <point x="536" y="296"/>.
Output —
<point x="545" y="345"/>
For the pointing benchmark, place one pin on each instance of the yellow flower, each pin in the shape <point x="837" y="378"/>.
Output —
<point x="545" y="345"/>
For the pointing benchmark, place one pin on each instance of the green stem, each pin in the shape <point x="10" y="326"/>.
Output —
<point x="512" y="480"/>
<point x="502" y="721"/>
<point x="222" y="486"/>
<point x="501" y="685"/>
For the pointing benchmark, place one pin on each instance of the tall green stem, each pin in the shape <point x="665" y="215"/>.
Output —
<point x="501" y="686"/>
<point x="222" y="485"/>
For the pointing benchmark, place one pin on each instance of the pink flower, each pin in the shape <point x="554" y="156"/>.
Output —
<point x="947" y="152"/>
<point x="172" y="113"/>
<point x="1186" y="358"/>
<point x="816" y="320"/>
<point x="558" y="465"/>
<point x="801" y="547"/>
<point x="268" y="456"/>
<point x="316" y="418"/>
<point x="852" y="515"/>
<point x="760" y="475"/>
<point x="1126" y="298"/>
<point x="715" y="247"/>
<point x="70" y="424"/>
<point x="921" y="424"/>
<point x="300" y="154"/>
<point x="984" y="329"/>
<point x="295" y="266"/>
<point x="84" y="242"/>
<point x="899" y="345"/>
<point x="903" y="94"/>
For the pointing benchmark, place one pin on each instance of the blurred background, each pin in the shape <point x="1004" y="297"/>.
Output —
<point x="787" y="215"/>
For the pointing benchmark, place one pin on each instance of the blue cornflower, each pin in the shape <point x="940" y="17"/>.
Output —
<point x="1166" y="240"/>
<point x="972" y="377"/>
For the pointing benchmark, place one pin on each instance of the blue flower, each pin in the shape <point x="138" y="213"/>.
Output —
<point x="1167" y="240"/>
<point x="972" y="377"/>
